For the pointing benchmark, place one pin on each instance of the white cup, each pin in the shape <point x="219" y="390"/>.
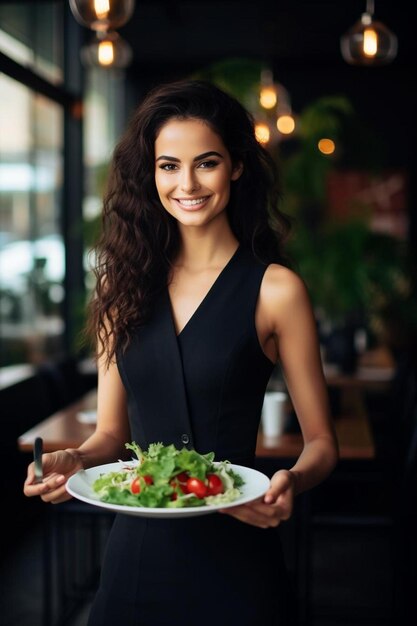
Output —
<point x="274" y="415"/>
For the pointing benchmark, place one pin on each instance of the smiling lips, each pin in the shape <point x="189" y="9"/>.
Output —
<point x="191" y="203"/>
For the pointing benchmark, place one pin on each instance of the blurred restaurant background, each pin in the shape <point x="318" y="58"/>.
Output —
<point x="330" y="86"/>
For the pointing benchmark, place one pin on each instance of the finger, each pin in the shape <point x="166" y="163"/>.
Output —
<point x="280" y="483"/>
<point x="55" y="495"/>
<point x="275" y="490"/>
<point x="252" y="517"/>
<point x="284" y="506"/>
<point x="51" y="476"/>
<point x="36" y="489"/>
<point x="47" y="466"/>
<point x="280" y="510"/>
<point x="56" y="488"/>
<point x="270" y="510"/>
<point x="48" y="484"/>
<point x="55" y="481"/>
<point x="242" y="517"/>
<point x="30" y="475"/>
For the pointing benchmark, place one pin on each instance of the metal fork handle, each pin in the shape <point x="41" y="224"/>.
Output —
<point x="37" y="457"/>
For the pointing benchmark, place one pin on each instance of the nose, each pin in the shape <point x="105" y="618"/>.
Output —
<point x="189" y="181"/>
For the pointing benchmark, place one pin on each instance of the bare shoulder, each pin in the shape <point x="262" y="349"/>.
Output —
<point x="283" y="294"/>
<point x="282" y="285"/>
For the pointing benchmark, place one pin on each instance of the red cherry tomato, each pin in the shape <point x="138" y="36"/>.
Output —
<point x="214" y="485"/>
<point x="180" y="480"/>
<point x="135" y="484"/>
<point x="197" y="487"/>
<point x="182" y="477"/>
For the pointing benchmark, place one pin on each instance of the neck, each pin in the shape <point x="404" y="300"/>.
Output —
<point x="205" y="247"/>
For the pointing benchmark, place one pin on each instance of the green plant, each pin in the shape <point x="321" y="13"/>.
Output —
<point x="331" y="261"/>
<point x="391" y="294"/>
<point x="355" y="274"/>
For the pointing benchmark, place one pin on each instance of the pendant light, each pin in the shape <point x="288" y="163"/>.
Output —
<point x="369" y="42"/>
<point x="267" y="92"/>
<point x="107" y="49"/>
<point x="102" y="15"/>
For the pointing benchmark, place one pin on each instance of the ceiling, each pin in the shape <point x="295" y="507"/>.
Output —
<point x="298" y="39"/>
<point x="173" y="37"/>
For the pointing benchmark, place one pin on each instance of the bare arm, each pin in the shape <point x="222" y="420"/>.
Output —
<point x="287" y="313"/>
<point x="106" y="444"/>
<point x="296" y="336"/>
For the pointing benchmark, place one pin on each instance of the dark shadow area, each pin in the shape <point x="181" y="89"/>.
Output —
<point x="23" y="405"/>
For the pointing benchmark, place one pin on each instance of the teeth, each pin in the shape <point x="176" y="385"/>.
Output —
<point x="192" y="202"/>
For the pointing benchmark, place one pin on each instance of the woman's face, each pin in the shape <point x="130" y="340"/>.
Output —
<point x="193" y="170"/>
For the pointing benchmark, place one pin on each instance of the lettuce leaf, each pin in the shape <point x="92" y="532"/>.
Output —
<point x="163" y="463"/>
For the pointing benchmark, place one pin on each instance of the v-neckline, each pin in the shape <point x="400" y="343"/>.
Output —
<point x="205" y="298"/>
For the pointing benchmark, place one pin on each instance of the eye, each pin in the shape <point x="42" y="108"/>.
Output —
<point x="168" y="167"/>
<point x="208" y="164"/>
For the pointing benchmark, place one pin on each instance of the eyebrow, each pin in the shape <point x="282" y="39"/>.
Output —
<point x="197" y="158"/>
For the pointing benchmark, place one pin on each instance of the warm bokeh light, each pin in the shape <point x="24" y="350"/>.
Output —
<point x="370" y="42"/>
<point x="102" y="8"/>
<point x="262" y="132"/>
<point x="326" y="146"/>
<point x="286" y="124"/>
<point x="105" y="52"/>
<point x="268" y="97"/>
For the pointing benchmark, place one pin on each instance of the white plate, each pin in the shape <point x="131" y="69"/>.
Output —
<point x="80" y="486"/>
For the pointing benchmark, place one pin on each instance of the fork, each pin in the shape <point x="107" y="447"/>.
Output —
<point x="37" y="457"/>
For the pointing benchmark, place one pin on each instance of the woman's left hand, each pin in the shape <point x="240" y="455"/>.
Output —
<point x="275" y="506"/>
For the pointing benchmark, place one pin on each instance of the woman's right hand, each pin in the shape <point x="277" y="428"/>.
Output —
<point x="57" y="468"/>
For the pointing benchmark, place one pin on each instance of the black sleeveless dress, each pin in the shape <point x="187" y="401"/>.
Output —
<point x="202" y="389"/>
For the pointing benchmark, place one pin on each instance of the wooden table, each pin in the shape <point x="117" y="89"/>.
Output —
<point x="64" y="430"/>
<point x="353" y="434"/>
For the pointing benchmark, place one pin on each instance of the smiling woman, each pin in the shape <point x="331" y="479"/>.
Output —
<point x="172" y="132"/>
<point x="193" y="308"/>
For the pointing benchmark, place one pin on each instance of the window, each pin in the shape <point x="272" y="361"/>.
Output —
<point x="32" y="253"/>
<point x="31" y="246"/>
<point x="31" y="34"/>
<point x="103" y="124"/>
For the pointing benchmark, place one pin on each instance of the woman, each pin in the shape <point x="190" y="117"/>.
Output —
<point x="193" y="309"/>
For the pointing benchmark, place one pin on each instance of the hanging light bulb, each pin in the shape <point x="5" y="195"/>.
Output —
<point x="262" y="132"/>
<point x="102" y="15"/>
<point x="326" y="145"/>
<point x="107" y="50"/>
<point x="286" y="124"/>
<point x="267" y="92"/>
<point x="368" y="42"/>
<point x="268" y="97"/>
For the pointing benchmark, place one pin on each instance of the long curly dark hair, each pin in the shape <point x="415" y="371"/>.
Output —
<point x="140" y="239"/>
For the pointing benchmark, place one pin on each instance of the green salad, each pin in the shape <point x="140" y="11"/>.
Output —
<point x="166" y="477"/>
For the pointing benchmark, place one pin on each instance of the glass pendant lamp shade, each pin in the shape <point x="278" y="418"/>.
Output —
<point x="107" y="50"/>
<point x="102" y="15"/>
<point x="368" y="42"/>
